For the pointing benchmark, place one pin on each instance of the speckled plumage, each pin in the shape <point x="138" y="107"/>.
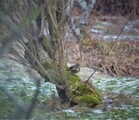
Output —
<point x="75" y="68"/>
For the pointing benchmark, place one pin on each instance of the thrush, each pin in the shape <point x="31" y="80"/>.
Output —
<point x="75" y="69"/>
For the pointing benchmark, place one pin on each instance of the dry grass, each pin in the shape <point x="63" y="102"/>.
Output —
<point x="122" y="60"/>
<point x="53" y="105"/>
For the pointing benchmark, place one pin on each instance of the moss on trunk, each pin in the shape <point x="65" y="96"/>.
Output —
<point x="81" y="93"/>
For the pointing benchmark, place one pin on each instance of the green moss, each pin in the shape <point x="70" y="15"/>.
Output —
<point x="89" y="100"/>
<point x="72" y="79"/>
<point x="79" y="92"/>
<point x="82" y="93"/>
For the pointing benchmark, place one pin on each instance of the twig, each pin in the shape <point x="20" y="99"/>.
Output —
<point x="24" y="63"/>
<point x="16" y="34"/>
<point x="107" y="53"/>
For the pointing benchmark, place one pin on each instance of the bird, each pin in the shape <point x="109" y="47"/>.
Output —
<point x="75" y="69"/>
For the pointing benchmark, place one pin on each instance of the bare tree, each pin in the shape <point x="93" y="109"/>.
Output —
<point x="43" y="24"/>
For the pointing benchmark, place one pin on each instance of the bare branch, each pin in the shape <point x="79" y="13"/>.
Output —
<point x="107" y="53"/>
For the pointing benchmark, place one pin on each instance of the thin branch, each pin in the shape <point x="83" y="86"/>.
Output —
<point x="16" y="34"/>
<point x="107" y="53"/>
<point x="24" y="63"/>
